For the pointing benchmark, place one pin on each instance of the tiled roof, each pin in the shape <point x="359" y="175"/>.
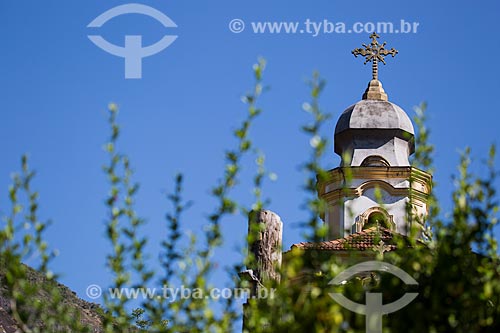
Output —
<point x="361" y="241"/>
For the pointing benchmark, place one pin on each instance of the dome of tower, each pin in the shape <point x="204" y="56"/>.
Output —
<point x="374" y="114"/>
<point x="374" y="131"/>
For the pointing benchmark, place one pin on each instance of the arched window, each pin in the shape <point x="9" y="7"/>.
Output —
<point x="376" y="219"/>
<point x="372" y="217"/>
<point x="376" y="161"/>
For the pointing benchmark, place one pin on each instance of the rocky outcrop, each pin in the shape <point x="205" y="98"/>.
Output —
<point x="89" y="313"/>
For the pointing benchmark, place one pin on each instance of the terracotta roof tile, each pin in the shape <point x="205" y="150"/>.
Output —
<point x="361" y="241"/>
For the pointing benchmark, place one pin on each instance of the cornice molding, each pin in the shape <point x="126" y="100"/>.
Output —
<point x="420" y="182"/>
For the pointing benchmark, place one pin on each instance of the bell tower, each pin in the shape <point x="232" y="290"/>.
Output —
<point x="375" y="182"/>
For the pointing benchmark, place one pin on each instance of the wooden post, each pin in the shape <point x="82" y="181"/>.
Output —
<point x="265" y="229"/>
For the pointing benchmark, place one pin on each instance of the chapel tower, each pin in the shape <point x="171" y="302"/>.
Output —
<point x="368" y="196"/>
<point x="375" y="182"/>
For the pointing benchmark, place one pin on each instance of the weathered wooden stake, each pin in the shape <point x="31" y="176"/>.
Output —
<point x="265" y="229"/>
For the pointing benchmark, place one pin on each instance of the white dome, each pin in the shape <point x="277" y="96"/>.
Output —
<point x="374" y="114"/>
<point x="374" y="129"/>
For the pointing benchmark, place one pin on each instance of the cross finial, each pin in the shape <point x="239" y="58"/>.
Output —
<point x="374" y="52"/>
<point x="381" y="247"/>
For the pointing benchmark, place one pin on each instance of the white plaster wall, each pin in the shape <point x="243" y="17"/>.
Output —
<point x="395" y="151"/>
<point x="394" y="205"/>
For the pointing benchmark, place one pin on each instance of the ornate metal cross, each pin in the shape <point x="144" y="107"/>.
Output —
<point x="381" y="247"/>
<point x="374" y="52"/>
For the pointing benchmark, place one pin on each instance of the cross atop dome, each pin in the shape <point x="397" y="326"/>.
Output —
<point x="374" y="53"/>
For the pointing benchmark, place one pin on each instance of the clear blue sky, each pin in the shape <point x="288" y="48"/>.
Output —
<point x="55" y="86"/>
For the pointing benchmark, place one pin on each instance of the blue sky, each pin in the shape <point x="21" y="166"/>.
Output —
<point x="55" y="86"/>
